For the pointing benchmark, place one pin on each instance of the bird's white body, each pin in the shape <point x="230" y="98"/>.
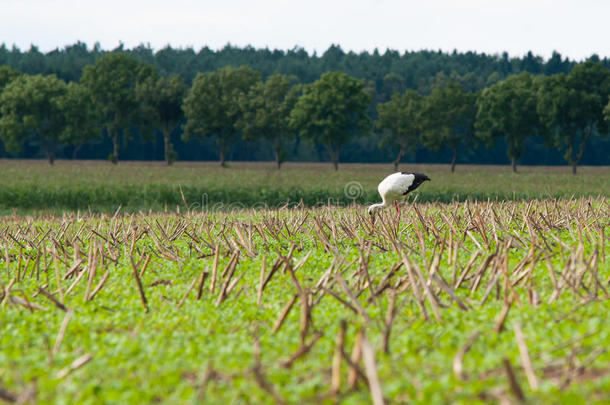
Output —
<point x="395" y="187"/>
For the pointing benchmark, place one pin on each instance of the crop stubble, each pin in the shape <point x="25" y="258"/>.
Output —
<point x="355" y="287"/>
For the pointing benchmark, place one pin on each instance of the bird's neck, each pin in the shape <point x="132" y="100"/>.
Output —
<point x="378" y="206"/>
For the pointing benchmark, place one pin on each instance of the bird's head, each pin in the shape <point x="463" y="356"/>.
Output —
<point x="420" y="178"/>
<point x="372" y="210"/>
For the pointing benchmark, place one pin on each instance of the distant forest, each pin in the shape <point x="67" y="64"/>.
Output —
<point x="384" y="73"/>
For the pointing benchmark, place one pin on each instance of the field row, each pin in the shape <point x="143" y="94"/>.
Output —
<point x="30" y="187"/>
<point x="460" y="302"/>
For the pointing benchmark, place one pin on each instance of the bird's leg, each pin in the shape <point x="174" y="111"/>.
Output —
<point x="397" y="215"/>
<point x="372" y="221"/>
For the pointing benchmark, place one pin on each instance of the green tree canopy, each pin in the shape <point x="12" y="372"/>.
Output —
<point x="267" y="112"/>
<point x="31" y="108"/>
<point x="508" y="109"/>
<point x="81" y="118"/>
<point x="213" y="105"/>
<point x="161" y="100"/>
<point x="331" y="110"/>
<point x="112" y="82"/>
<point x="7" y="74"/>
<point x="399" y="119"/>
<point x="571" y="108"/>
<point x="448" y="118"/>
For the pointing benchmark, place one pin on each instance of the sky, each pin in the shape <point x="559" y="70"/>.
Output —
<point x="576" y="29"/>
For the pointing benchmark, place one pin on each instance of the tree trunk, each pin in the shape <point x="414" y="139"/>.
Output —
<point x="569" y="156"/>
<point x="115" y="143"/>
<point x="166" y="135"/>
<point x="278" y="161"/>
<point x="75" y="151"/>
<point x="222" y="156"/>
<point x="513" y="164"/>
<point x="581" y="148"/>
<point x="50" y="151"/>
<point x="334" y="156"/>
<point x="401" y="154"/>
<point x="454" y="159"/>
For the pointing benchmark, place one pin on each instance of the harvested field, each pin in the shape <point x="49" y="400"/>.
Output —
<point x="465" y="302"/>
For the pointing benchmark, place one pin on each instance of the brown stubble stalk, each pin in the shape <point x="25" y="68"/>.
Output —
<point x="416" y="276"/>
<point x="57" y="276"/>
<point x="51" y="298"/>
<point x="202" y="277"/>
<point x="370" y="368"/>
<point x="514" y="385"/>
<point x="75" y="365"/>
<point x="525" y="357"/>
<point x="259" y="292"/>
<point x="230" y="269"/>
<point x="229" y="266"/>
<point x="305" y="319"/>
<point x="188" y="290"/>
<point x="353" y="371"/>
<point x="466" y="270"/>
<point x="7" y="259"/>
<point x="285" y="311"/>
<point x="389" y="320"/>
<point x="145" y="265"/>
<point x="335" y="385"/>
<point x="99" y="285"/>
<point x="62" y="332"/>
<point x="214" y="269"/>
<point x="458" y="367"/>
<point x="92" y="269"/>
<point x="352" y="298"/>
<point x="274" y="268"/>
<point x="136" y="277"/>
<point x="500" y="320"/>
<point x="259" y="375"/>
<point x="303" y="350"/>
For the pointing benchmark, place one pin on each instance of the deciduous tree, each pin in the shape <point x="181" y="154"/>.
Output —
<point x="82" y="121"/>
<point x="161" y="100"/>
<point x="508" y="109"/>
<point x="267" y="112"/>
<point x="31" y="108"/>
<point x="400" y="120"/>
<point x="112" y="82"/>
<point x="331" y="110"/>
<point x="571" y="107"/>
<point x="213" y="105"/>
<point x="448" y="119"/>
<point x="7" y="74"/>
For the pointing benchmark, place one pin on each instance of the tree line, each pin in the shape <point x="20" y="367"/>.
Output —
<point x="565" y="110"/>
<point x="121" y="96"/>
<point x="418" y="70"/>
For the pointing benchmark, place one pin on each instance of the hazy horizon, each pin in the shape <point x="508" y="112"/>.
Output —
<point x="575" y="30"/>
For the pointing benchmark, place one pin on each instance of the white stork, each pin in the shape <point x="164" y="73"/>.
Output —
<point x="395" y="187"/>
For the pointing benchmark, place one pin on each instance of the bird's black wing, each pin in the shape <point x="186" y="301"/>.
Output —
<point x="417" y="181"/>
